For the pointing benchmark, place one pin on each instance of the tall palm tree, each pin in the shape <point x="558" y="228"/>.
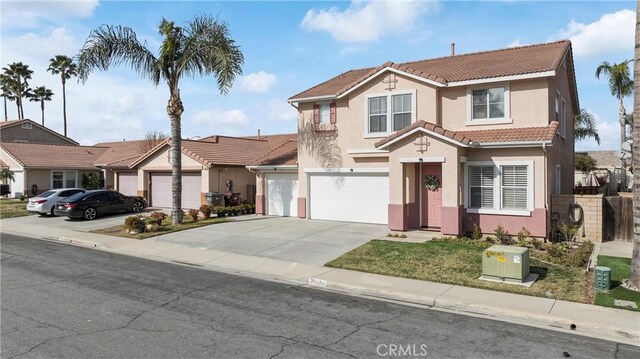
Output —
<point x="202" y="47"/>
<point x="634" y="275"/>
<point x="584" y="126"/>
<point x="17" y="76"/>
<point x="41" y="94"/>
<point x="6" y="175"/>
<point x="63" y="65"/>
<point x="620" y="85"/>
<point x="5" y="93"/>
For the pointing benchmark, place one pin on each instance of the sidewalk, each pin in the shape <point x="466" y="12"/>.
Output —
<point x="590" y="320"/>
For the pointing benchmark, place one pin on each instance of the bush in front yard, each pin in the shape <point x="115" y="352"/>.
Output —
<point x="134" y="224"/>
<point x="206" y="211"/>
<point x="562" y="254"/>
<point x="160" y="215"/>
<point x="193" y="215"/>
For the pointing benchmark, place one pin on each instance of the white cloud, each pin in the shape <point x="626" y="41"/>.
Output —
<point x="612" y="32"/>
<point x="515" y="43"/>
<point x="217" y="118"/>
<point x="258" y="81"/>
<point x="365" y="21"/>
<point x="58" y="41"/>
<point x="29" y="14"/>
<point x="280" y="110"/>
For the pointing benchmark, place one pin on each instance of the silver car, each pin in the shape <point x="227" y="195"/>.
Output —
<point x="45" y="202"/>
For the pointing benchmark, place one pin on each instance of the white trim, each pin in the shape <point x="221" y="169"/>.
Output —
<point x="502" y="212"/>
<point x="489" y="121"/>
<point x="513" y="144"/>
<point x="389" y="95"/>
<point x="366" y="151"/>
<point x="313" y="98"/>
<point x="274" y="168"/>
<point x="347" y="170"/>
<point x="422" y="160"/>
<point x="533" y="75"/>
<point x="428" y="132"/>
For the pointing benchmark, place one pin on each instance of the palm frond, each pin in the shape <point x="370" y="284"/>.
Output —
<point x="584" y="126"/>
<point x="116" y="45"/>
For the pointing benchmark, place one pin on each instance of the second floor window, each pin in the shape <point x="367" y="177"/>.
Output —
<point x="401" y="111"/>
<point x="488" y="104"/>
<point x="325" y="112"/>
<point x="378" y="114"/>
<point x="389" y="113"/>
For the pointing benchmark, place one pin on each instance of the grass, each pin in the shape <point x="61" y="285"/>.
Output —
<point x="166" y="228"/>
<point x="10" y="208"/>
<point x="619" y="270"/>
<point x="460" y="264"/>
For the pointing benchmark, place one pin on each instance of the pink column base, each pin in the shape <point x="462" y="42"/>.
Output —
<point x="536" y="223"/>
<point x="302" y="207"/>
<point x="451" y="221"/>
<point x="260" y="204"/>
<point x="397" y="219"/>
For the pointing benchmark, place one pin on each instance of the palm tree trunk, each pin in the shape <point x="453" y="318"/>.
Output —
<point x="6" y="117"/>
<point x="634" y="275"/>
<point x="64" y="104"/>
<point x="623" y="132"/>
<point x="175" y="109"/>
<point x="42" y="108"/>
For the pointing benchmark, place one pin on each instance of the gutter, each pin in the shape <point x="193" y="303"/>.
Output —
<point x="272" y="168"/>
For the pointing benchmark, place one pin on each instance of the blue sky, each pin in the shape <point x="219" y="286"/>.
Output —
<point x="290" y="46"/>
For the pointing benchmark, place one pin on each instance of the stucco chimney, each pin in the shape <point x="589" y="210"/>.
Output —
<point x="453" y="49"/>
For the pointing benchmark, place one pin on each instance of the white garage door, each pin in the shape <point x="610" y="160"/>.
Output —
<point x="282" y="194"/>
<point x="161" y="190"/>
<point x="349" y="197"/>
<point x="128" y="183"/>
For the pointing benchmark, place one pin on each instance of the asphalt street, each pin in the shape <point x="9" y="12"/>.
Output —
<point x="69" y="302"/>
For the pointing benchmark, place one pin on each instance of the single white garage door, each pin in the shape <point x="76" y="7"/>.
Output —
<point x="128" y="183"/>
<point x="161" y="190"/>
<point x="282" y="194"/>
<point x="349" y="197"/>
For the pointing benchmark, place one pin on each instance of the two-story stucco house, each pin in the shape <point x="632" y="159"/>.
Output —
<point x="441" y="144"/>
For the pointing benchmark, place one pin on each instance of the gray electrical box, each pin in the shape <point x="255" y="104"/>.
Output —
<point x="507" y="263"/>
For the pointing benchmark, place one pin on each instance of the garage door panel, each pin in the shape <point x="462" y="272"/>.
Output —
<point x="349" y="197"/>
<point x="128" y="183"/>
<point x="161" y="190"/>
<point x="282" y="194"/>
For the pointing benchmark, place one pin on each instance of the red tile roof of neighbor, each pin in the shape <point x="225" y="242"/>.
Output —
<point x="469" y="138"/>
<point x="120" y="154"/>
<point x="286" y="154"/>
<point x="479" y="65"/>
<point x="35" y="155"/>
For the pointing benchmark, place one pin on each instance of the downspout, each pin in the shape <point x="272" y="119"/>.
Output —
<point x="546" y="180"/>
<point x="420" y="192"/>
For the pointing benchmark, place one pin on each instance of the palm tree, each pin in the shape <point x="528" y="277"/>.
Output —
<point x="6" y="93"/>
<point x="634" y="275"/>
<point x="620" y="85"/>
<point x="202" y="47"/>
<point x="41" y="94"/>
<point x="17" y="75"/>
<point x="584" y="126"/>
<point x="6" y="174"/>
<point x="63" y="65"/>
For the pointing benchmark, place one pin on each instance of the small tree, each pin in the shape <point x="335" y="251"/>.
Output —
<point x="91" y="181"/>
<point x="152" y="139"/>
<point x="584" y="163"/>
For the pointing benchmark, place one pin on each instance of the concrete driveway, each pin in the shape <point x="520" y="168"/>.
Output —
<point x="64" y="223"/>
<point x="288" y="239"/>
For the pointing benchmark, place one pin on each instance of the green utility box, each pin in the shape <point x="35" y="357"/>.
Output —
<point x="507" y="263"/>
<point x="602" y="281"/>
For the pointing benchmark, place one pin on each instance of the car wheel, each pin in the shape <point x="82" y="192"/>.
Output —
<point x="52" y="213"/>
<point x="137" y="207"/>
<point x="90" y="213"/>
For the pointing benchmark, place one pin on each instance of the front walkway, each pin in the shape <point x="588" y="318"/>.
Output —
<point x="616" y="249"/>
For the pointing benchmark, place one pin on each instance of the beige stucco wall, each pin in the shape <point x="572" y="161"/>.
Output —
<point x="241" y="177"/>
<point x="593" y="207"/>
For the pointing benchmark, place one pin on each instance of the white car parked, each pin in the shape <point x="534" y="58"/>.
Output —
<point x="45" y="202"/>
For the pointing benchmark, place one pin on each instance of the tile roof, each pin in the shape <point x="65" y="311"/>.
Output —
<point x="480" y="137"/>
<point x="285" y="154"/>
<point x="120" y="154"/>
<point x="35" y="155"/>
<point x="8" y="123"/>
<point x="606" y="158"/>
<point x="479" y="65"/>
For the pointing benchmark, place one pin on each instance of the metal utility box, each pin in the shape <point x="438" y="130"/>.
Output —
<point x="507" y="263"/>
<point x="602" y="282"/>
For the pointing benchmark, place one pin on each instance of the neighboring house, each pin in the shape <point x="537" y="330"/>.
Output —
<point x="40" y="167"/>
<point x="27" y="131"/>
<point x="115" y="163"/>
<point x="493" y="128"/>
<point x="212" y="164"/>
<point x="609" y="164"/>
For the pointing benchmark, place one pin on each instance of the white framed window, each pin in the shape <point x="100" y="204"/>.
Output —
<point x="488" y="105"/>
<point x="64" y="179"/>
<point x="389" y="112"/>
<point x="27" y="125"/>
<point x="558" y="186"/>
<point x="502" y="187"/>
<point x="325" y="113"/>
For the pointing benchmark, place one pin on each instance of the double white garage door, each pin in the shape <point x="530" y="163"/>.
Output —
<point x="161" y="190"/>
<point x="336" y="197"/>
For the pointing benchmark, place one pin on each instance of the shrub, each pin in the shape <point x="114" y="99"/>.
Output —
<point x="568" y="230"/>
<point x="522" y="238"/>
<point x="153" y="220"/>
<point x="537" y="244"/>
<point x="159" y="215"/>
<point x="580" y="256"/>
<point x="466" y="240"/>
<point x="220" y="211"/>
<point x="477" y="233"/>
<point x="502" y="235"/>
<point x="584" y="163"/>
<point x="206" y="211"/>
<point x="555" y="250"/>
<point x="134" y="223"/>
<point x="193" y="215"/>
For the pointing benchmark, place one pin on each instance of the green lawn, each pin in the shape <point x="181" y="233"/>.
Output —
<point x="166" y="228"/>
<point x="460" y="264"/>
<point x="619" y="270"/>
<point x="10" y="208"/>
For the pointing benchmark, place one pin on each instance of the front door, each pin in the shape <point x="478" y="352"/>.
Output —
<point x="431" y="199"/>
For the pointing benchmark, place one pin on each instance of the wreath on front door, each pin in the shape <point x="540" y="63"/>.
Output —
<point x="432" y="183"/>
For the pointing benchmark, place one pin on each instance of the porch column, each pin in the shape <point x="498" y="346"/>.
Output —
<point x="452" y="183"/>
<point x="401" y="196"/>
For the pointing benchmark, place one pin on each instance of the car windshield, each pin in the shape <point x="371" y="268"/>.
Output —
<point x="75" y="197"/>
<point x="46" y="194"/>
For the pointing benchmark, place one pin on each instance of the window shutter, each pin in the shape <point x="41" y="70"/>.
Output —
<point x="332" y="116"/>
<point x="316" y="114"/>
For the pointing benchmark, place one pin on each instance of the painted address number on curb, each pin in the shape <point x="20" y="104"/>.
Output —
<point x="317" y="282"/>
